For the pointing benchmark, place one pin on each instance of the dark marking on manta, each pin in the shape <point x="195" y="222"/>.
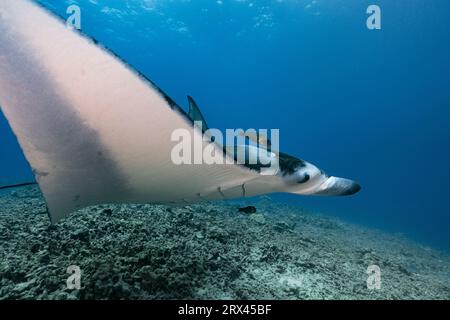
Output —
<point x="289" y="164"/>
<point x="172" y="104"/>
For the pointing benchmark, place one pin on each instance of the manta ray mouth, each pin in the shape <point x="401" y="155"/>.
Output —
<point x="354" y="188"/>
<point x="334" y="186"/>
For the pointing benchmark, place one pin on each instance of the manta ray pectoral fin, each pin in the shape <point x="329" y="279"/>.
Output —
<point x="92" y="128"/>
<point x="195" y="114"/>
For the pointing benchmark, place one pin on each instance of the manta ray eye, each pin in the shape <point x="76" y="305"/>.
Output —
<point x="303" y="178"/>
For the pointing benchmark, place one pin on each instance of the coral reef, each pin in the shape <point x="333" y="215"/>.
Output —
<point x="206" y="251"/>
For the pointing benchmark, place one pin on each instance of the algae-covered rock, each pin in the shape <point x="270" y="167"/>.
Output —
<point x="258" y="218"/>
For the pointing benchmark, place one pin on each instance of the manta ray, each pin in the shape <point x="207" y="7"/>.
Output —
<point x="96" y="131"/>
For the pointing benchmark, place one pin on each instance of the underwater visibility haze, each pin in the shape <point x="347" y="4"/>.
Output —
<point x="371" y="105"/>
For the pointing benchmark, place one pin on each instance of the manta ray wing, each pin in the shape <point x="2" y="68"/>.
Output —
<point x="92" y="129"/>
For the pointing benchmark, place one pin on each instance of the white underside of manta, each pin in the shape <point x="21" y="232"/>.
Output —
<point x="95" y="131"/>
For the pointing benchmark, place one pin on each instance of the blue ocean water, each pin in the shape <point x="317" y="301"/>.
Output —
<point x="373" y="105"/>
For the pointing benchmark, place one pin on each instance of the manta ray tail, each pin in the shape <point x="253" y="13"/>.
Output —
<point x="18" y="185"/>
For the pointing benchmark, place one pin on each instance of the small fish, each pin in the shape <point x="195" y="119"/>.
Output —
<point x="249" y="209"/>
